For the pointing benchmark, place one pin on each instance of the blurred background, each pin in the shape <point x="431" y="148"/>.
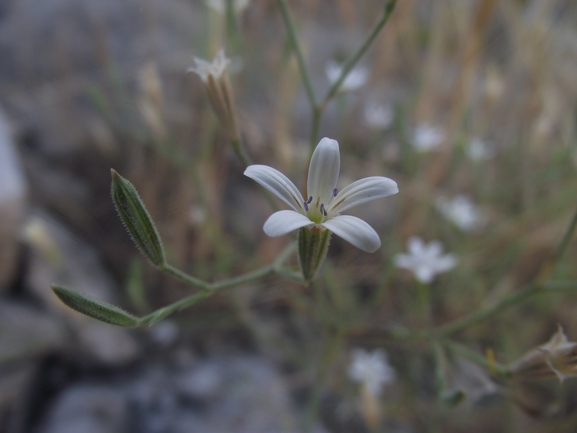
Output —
<point x="473" y="100"/>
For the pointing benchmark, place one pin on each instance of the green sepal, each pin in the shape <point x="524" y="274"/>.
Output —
<point x="96" y="309"/>
<point x="313" y="245"/>
<point x="136" y="219"/>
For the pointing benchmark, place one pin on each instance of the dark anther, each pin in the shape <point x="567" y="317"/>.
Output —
<point x="323" y="211"/>
<point x="306" y="206"/>
<point x="309" y="200"/>
<point x="335" y="192"/>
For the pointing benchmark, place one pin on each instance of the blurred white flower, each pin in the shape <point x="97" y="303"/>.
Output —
<point x="371" y="370"/>
<point x="220" y="5"/>
<point x="425" y="260"/>
<point x="427" y="137"/>
<point x="215" y="69"/>
<point x="356" y="77"/>
<point x="461" y="211"/>
<point x="479" y="150"/>
<point x="378" y="116"/>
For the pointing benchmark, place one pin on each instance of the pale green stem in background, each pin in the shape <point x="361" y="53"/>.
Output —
<point x="298" y="52"/>
<point x="331" y="346"/>
<point x="566" y="240"/>
<point x="239" y="150"/>
<point x="209" y="289"/>
<point x="476" y="357"/>
<point x="424" y="301"/>
<point x="354" y="58"/>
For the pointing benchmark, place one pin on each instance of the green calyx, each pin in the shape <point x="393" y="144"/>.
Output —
<point x="313" y="245"/>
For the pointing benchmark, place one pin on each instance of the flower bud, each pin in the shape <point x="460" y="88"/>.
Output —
<point x="557" y="358"/>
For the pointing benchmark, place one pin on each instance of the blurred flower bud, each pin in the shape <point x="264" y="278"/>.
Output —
<point x="556" y="358"/>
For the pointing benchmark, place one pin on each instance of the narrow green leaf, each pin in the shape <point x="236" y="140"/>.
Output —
<point x="136" y="219"/>
<point x="96" y="309"/>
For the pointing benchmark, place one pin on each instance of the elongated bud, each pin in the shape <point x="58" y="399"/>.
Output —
<point x="313" y="246"/>
<point x="137" y="220"/>
<point x="96" y="309"/>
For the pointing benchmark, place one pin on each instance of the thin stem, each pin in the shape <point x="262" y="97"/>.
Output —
<point x="476" y="358"/>
<point x="239" y="150"/>
<point x="317" y="114"/>
<point x="330" y="347"/>
<point x="354" y="58"/>
<point x="298" y="52"/>
<point x="564" y="244"/>
<point x="208" y="289"/>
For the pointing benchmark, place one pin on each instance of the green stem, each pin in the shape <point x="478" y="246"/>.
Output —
<point x="239" y="150"/>
<point x="564" y="244"/>
<point x="317" y="114"/>
<point x="298" y="52"/>
<point x="208" y="289"/>
<point x="330" y="347"/>
<point x="476" y="357"/>
<point x="354" y="58"/>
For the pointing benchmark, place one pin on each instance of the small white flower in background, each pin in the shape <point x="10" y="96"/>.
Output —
<point x="461" y="211"/>
<point x="371" y="370"/>
<point x="220" y="5"/>
<point x="357" y="77"/>
<point x="479" y="150"/>
<point x="427" y="137"/>
<point x="218" y="89"/>
<point x="378" y="116"/>
<point x="425" y="260"/>
<point x="324" y="204"/>
<point x="214" y="69"/>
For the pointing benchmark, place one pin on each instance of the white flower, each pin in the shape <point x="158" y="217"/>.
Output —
<point x="425" y="261"/>
<point x="427" y="137"/>
<point x="479" y="150"/>
<point x="213" y="69"/>
<point x="356" y="77"/>
<point x="324" y="203"/>
<point x="378" y="116"/>
<point x="371" y="370"/>
<point x="220" y="5"/>
<point x="461" y="211"/>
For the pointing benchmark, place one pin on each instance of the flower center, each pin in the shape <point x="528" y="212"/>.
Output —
<point x="316" y="210"/>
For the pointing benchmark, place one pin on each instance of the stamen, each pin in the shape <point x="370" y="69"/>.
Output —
<point x="323" y="211"/>
<point x="309" y="200"/>
<point x="335" y="192"/>
<point x="306" y="206"/>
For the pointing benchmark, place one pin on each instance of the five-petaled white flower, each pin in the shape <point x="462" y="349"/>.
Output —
<point x="371" y="370"/>
<point x="324" y="203"/>
<point x="425" y="261"/>
<point x="356" y="77"/>
<point x="461" y="211"/>
<point x="427" y="137"/>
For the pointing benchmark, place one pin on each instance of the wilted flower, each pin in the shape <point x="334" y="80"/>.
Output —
<point x="319" y="214"/>
<point x="427" y="137"/>
<point x="371" y="370"/>
<point x="356" y="77"/>
<point x="220" y="5"/>
<point x="425" y="260"/>
<point x="378" y="116"/>
<point x="461" y="211"/>
<point x="218" y="89"/>
<point x="479" y="150"/>
<point x="558" y="357"/>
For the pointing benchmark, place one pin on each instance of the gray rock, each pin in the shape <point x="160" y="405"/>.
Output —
<point x="15" y="382"/>
<point x="88" y="409"/>
<point x="12" y="202"/>
<point x="26" y="333"/>
<point x="56" y="256"/>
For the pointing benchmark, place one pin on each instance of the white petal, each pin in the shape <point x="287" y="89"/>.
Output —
<point x="277" y="183"/>
<point x="434" y="249"/>
<point x="416" y="246"/>
<point x="445" y="263"/>
<point x="404" y="261"/>
<point x="355" y="231"/>
<point x="362" y="191"/>
<point x="283" y="222"/>
<point x="424" y="274"/>
<point x="324" y="170"/>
